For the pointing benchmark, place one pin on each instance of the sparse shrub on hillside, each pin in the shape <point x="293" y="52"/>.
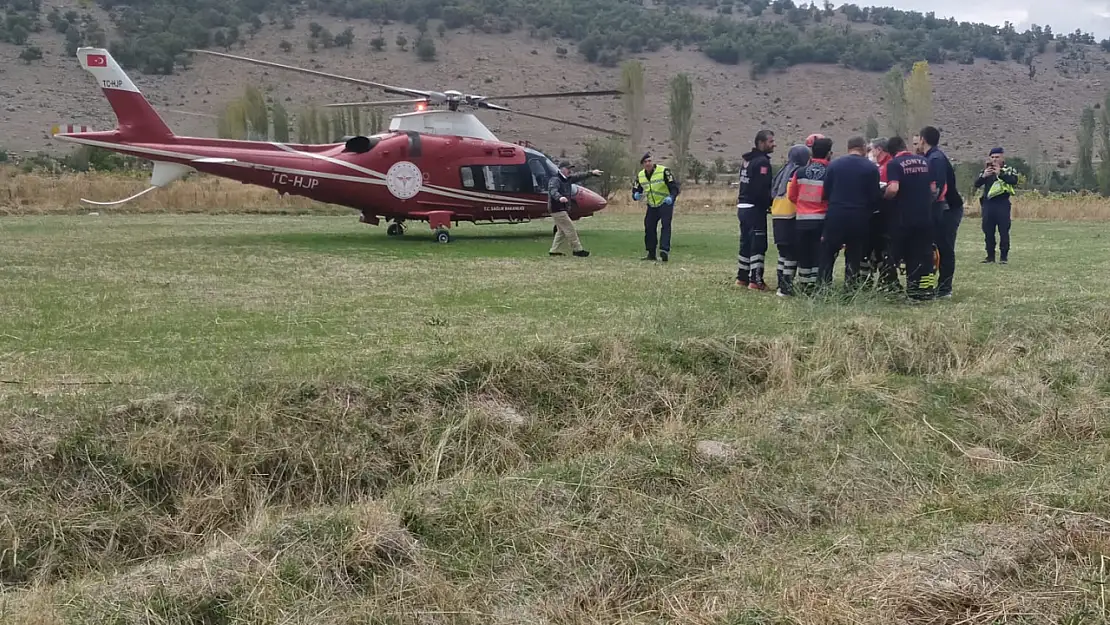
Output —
<point x="156" y="32"/>
<point x="17" y="34"/>
<point x="377" y="44"/>
<point x="695" y="169"/>
<point x="426" y="49"/>
<point x="611" y="157"/>
<point x="345" y="39"/>
<point x="31" y="53"/>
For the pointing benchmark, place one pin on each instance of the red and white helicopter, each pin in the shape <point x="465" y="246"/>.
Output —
<point x="438" y="166"/>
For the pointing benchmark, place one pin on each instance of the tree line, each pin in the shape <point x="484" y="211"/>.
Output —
<point x="254" y="117"/>
<point x="155" y="33"/>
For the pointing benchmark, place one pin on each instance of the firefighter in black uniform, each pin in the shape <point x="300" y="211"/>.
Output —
<point x="911" y="186"/>
<point x="753" y="204"/>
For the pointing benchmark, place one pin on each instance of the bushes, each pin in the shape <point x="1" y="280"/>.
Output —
<point x="605" y="29"/>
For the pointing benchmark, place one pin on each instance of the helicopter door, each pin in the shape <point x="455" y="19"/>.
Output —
<point x="539" y="175"/>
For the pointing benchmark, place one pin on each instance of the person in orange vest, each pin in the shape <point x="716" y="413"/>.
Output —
<point x="808" y="185"/>
<point x="782" y="219"/>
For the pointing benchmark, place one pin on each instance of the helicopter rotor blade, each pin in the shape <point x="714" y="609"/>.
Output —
<point x="496" y="107"/>
<point x="193" y="113"/>
<point x="562" y="94"/>
<point x="377" y="103"/>
<point x="312" y="72"/>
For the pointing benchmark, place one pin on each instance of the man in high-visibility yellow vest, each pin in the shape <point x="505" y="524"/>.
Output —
<point x="998" y="181"/>
<point x="655" y="184"/>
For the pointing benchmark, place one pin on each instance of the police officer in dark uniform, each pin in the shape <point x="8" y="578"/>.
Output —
<point x="656" y="185"/>
<point x="753" y="204"/>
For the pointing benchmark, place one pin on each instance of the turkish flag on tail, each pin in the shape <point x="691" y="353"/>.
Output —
<point x="98" y="60"/>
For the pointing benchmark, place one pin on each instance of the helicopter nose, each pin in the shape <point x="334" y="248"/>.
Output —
<point x="590" y="201"/>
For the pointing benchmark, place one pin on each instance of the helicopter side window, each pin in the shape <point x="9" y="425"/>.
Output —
<point x="499" y="178"/>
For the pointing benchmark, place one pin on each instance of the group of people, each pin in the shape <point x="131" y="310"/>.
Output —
<point x="889" y="207"/>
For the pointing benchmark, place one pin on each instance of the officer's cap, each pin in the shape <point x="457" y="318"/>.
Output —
<point x="564" y="165"/>
<point x="996" y="151"/>
<point x="646" y="156"/>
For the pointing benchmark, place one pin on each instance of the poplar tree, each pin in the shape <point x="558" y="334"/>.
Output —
<point x="894" y="95"/>
<point x="682" y="120"/>
<point x="632" y="86"/>
<point x="919" y="96"/>
<point x="1084" y="166"/>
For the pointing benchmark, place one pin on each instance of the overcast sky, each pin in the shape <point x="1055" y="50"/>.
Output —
<point x="1064" y="16"/>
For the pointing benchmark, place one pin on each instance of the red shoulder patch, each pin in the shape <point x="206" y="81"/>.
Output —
<point x="763" y="169"/>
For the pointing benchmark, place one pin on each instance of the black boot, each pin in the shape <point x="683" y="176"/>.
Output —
<point x="664" y="256"/>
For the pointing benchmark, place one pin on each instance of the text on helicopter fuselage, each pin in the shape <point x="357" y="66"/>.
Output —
<point x="303" y="182"/>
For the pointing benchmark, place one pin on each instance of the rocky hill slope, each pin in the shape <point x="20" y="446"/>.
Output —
<point x="977" y="105"/>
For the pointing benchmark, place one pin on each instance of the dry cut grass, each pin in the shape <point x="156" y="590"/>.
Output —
<point x="36" y="194"/>
<point x="828" y="478"/>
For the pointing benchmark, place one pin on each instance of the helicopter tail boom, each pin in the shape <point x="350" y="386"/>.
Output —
<point x="136" y="118"/>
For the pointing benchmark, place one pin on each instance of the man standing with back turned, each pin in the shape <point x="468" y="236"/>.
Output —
<point x="852" y="190"/>
<point x="911" y="188"/>
<point x="998" y="181"/>
<point x="657" y="186"/>
<point x="948" y="208"/>
<point x="753" y="204"/>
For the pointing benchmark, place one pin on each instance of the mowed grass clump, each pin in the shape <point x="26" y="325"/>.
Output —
<point x="734" y="459"/>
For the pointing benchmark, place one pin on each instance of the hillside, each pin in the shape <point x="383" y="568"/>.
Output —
<point x="977" y="104"/>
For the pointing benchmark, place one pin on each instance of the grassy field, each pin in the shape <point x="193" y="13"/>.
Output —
<point x="295" y="419"/>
